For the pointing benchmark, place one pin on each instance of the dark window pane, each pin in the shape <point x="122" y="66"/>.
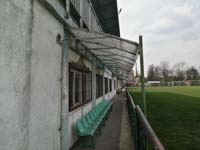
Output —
<point x="97" y="86"/>
<point x="110" y="84"/>
<point x="78" y="91"/>
<point x="80" y="82"/>
<point x="101" y="86"/>
<point x="106" y="85"/>
<point x="84" y="87"/>
<point x="71" y="80"/>
<point x="88" y="87"/>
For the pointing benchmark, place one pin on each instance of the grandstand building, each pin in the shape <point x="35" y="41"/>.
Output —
<point x="60" y="59"/>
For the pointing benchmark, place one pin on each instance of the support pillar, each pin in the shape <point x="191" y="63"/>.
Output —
<point x="64" y="141"/>
<point x="142" y="74"/>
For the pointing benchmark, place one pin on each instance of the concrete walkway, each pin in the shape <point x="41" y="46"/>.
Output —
<point x="116" y="133"/>
<point x="126" y="140"/>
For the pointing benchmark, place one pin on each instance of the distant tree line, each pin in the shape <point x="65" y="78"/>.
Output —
<point x="179" y="72"/>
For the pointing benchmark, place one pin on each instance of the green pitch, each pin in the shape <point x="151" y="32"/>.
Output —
<point x="174" y="113"/>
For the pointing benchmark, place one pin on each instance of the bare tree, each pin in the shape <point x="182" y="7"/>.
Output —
<point x="157" y="73"/>
<point x="180" y="69"/>
<point x="153" y="73"/>
<point x="165" y="70"/>
<point x="179" y="72"/>
<point x="192" y="73"/>
<point x="150" y="73"/>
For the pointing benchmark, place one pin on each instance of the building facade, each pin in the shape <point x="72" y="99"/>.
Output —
<point x="47" y="82"/>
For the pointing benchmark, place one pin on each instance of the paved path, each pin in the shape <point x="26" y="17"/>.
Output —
<point x="110" y="137"/>
<point x="126" y="140"/>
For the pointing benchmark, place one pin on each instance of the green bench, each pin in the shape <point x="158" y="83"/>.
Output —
<point x="88" y="125"/>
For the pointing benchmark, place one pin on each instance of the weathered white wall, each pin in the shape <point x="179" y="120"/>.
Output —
<point x="45" y="92"/>
<point x="15" y="44"/>
<point x="74" y="57"/>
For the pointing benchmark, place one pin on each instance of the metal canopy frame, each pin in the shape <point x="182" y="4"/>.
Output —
<point x="110" y="58"/>
<point x="117" y="54"/>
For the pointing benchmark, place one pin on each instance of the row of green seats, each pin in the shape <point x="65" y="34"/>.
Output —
<point x="93" y="120"/>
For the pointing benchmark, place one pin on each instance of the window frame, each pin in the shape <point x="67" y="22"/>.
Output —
<point x="110" y="85"/>
<point x="99" y="85"/>
<point x="83" y="99"/>
<point x="106" y="85"/>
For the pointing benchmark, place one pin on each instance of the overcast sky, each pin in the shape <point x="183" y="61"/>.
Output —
<point x="170" y="29"/>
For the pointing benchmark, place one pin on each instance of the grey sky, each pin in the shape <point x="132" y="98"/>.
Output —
<point x="170" y="29"/>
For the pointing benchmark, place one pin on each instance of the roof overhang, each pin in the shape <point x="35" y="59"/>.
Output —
<point x="116" y="53"/>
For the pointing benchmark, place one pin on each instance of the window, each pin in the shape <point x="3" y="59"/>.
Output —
<point x="110" y="84"/>
<point x="99" y="86"/>
<point x="75" y="11"/>
<point x="87" y="86"/>
<point x="106" y="85"/>
<point x="76" y="4"/>
<point x="63" y="2"/>
<point x="80" y="90"/>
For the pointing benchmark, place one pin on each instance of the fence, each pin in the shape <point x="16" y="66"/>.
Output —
<point x="172" y="83"/>
<point x="176" y="83"/>
<point x="143" y="135"/>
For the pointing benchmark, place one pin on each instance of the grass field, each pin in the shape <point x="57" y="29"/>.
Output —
<point x="174" y="113"/>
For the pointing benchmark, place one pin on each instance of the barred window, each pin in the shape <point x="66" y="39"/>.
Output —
<point x="75" y="11"/>
<point x="110" y="84"/>
<point x="80" y="90"/>
<point x="106" y="85"/>
<point x="76" y="4"/>
<point x="87" y="86"/>
<point x="99" y="86"/>
<point x="63" y="2"/>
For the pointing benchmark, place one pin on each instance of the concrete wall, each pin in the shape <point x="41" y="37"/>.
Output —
<point x="15" y="46"/>
<point x="45" y="99"/>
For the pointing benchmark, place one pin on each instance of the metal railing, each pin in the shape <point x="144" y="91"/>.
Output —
<point x="143" y="135"/>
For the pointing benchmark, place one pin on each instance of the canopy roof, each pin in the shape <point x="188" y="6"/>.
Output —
<point x="118" y="54"/>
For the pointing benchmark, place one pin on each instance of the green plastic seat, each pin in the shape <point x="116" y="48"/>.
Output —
<point x="82" y="131"/>
<point x="92" y="123"/>
<point x="93" y="117"/>
<point x="96" y="116"/>
<point x="86" y="124"/>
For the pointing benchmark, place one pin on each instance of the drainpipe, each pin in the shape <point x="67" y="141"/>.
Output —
<point x="93" y="81"/>
<point x="64" y="145"/>
<point x="142" y="73"/>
